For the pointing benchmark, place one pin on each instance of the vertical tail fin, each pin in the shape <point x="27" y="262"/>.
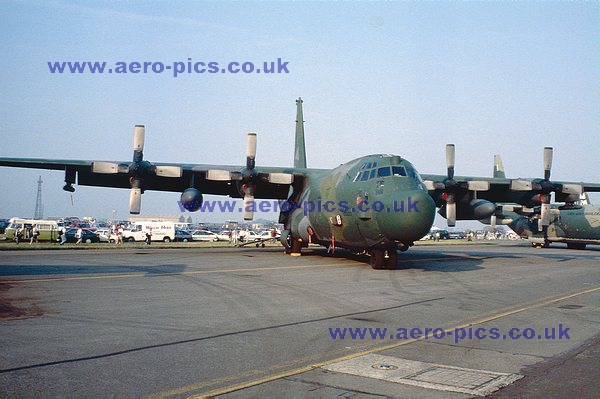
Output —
<point x="498" y="167"/>
<point x="300" y="150"/>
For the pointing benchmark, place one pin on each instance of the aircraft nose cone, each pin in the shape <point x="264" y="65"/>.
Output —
<point x="410" y="217"/>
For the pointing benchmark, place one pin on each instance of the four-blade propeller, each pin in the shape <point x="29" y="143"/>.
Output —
<point x="139" y="170"/>
<point x="544" y="187"/>
<point x="248" y="177"/>
<point x="451" y="188"/>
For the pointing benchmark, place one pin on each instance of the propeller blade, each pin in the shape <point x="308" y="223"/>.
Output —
<point x="450" y="210"/>
<point x="545" y="215"/>
<point x="477" y="185"/>
<point x="450" y="155"/>
<point x="521" y="185"/>
<point x="547" y="162"/>
<point x="250" y="150"/>
<point x="135" y="200"/>
<point x="281" y="178"/>
<point x="168" y="171"/>
<point x="108" y="168"/>
<point x="493" y="222"/>
<point x="139" y="134"/>
<point x="248" y="207"/>
<point x="218" y="175"/>
<point x="451" y="214"/>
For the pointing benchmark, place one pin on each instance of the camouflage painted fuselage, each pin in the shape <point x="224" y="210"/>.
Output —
<point x="578" y="224"/>
<point x="376" y="201"/>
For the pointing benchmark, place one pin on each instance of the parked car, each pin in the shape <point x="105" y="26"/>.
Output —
<point x="443" y="234"/>
<point x="457" y="235"/>
<point x="3" y="226"/>
<point x="248" y="236"/>
<point x="183" y="235"/>
<point x="223" y="236"/>
<point x="86" y="236"/>
<point x="104" y="235"/>
<point x="266" y="234"/>
<point x="204" y="235"/>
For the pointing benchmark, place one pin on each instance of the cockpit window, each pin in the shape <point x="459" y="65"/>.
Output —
<point x="374" y="164"/>
<point x="383" y="172"/>
<point x="398" y="171"/>
<point x="414" y="174"/>
<point x="372" y="175"/>
<point x="365" y="176"/>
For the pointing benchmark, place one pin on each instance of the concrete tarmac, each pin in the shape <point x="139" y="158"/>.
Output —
<point x="239" y="323"/>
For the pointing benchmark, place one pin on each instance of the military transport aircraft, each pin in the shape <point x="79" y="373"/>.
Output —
<point x="576" y="223"/>
<point x="376" y="204"/>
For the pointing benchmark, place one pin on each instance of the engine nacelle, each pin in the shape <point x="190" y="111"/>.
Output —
<point x="191" y="199"/>
<point x="476" y="209"/>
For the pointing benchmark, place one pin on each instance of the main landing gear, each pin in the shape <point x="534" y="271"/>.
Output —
<point x="383" y="259"/>
<point x="538" y="245"/>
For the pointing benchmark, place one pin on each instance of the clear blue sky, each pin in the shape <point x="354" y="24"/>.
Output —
<point x="399" y="77"/>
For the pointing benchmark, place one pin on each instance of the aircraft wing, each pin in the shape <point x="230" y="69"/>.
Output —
<point x="493" y="189"/>
<point x="270" y="182"/>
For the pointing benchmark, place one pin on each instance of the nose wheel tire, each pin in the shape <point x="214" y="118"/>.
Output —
<point x="383" y="259"/>
<point x="392" y="259"/>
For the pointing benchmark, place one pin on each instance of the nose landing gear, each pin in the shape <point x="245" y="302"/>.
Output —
<point x="383" y="258"/>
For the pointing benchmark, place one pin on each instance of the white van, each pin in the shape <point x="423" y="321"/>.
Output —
<point x="48" y="229"/>
<point x="161" y="231"/>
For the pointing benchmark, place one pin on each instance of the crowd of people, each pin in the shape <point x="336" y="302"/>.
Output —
<point x="32" y="233"/>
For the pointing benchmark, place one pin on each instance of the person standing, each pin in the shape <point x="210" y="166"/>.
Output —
<point x="274" y="235"/>
<point x="18" y="233"/>
<point x="63" y="235"/>
<point x="79" y="235"/>
<point x="35" y="232"/>
<point x="149" y="236"/>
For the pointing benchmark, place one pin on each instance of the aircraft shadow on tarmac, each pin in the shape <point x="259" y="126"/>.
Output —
<point x="37" y="270"/>
<point x="431" y="261"/>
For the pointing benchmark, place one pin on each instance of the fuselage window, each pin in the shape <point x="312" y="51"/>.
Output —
<point x="383" y="172"/>
<point x="398" y="171"/>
